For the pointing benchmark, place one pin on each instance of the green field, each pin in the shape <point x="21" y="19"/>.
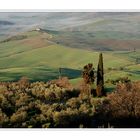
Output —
<point x="39" y="58"/>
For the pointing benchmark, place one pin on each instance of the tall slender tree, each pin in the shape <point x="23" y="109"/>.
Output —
<point x="100" y="77"/>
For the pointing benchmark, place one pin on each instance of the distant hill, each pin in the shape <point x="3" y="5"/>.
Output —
<point x="98" y="40"/>
<point x="90" y="30"/>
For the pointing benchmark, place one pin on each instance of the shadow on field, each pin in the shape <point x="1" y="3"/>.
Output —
<point x="40" y="74"/>
<point x="70" y="73"/>
<point x="8" y="76"/>
<point x="133" y="72"/>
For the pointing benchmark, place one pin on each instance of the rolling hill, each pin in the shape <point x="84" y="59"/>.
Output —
<point x="36" y="55"/>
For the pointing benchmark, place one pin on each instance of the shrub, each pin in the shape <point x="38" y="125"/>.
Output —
<point x="124" y="103"/>
<point x="23" y="82"/>
<point x="88" y="74"/>
<point x="18" y="117"/>
<point x="3" y="119"/>
<point x="62" y="82"/>
<point x="73" y="103"/>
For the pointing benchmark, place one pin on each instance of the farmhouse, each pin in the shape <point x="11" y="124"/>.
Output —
<point x="37" y="29"/>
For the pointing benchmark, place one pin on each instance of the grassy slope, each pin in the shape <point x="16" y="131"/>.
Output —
<point x="39" y="59"/>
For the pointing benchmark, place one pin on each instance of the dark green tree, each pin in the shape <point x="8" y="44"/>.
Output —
<point x="88" y="74"/>
<point x="100" y="77"/>
<point x="89" y="78"/>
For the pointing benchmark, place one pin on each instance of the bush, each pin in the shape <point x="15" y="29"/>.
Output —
<point x="118" y="80"/>
<point x="73" y="103"/>
<point x="62" y="82"/>
<point x="127" y="101"/>
<point x="3" y="119"/>
<point x="121" y="106"/>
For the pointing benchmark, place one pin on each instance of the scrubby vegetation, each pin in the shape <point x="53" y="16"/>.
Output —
<point x="56" y="104"/>
<point x="120" y="79"/>
<point x="122" y="107"/>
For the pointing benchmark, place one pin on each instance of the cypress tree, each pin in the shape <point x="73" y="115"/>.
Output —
<point x="100" y="77"/>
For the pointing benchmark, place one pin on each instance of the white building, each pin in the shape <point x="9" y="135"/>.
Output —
<point x="37" y="29"/>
